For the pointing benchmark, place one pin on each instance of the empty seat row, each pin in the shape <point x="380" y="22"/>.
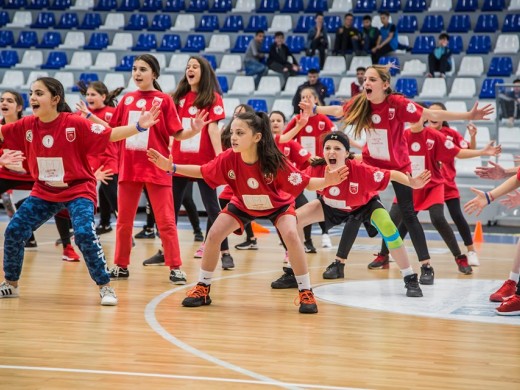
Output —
<point x="478" y="44"/>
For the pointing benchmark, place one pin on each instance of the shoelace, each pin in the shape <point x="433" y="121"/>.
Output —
<point x="177" y="273"/>
<point x="198" y="292"/>
<point x="305" y="297"/>
<point x="107" y="291"/>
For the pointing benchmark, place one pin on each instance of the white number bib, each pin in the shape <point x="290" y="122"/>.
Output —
<point x="190" y="145"/>
<point x="51" y="171"/>
<point x="137" y="141"/>
<point x="257" y="202"/>
<point x="377" y="142"/>
<point x="418" y="165"/>
<point x="335" y="203"/>
<point x="309" y="143"/>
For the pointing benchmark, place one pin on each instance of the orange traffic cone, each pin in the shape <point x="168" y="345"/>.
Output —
<point x="257" y="228"/>
<point x="478" y="236"/>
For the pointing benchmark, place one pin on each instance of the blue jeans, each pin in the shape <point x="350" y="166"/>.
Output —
<point x="33" y="213"/>
<point x="255" y="68"/>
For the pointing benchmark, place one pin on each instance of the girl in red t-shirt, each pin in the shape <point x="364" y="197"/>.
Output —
<point x="264" y="184"/>
<point x="57" y="144"/>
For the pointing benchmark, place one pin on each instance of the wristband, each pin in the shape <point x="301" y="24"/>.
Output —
<point x="174" y="169"/>
<point x="88" y="115"/>
<point x="487" y="197"/>
<point x="139" y="128"/>
<point x="314" y="109"/>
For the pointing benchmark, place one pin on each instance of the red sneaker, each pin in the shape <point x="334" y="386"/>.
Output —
<point x="462" y="263"/>
<point x="507" y="290"/>
<point x="69" y="254"/>
<point x="510" y="307"/>
<point x="380" y="262"/>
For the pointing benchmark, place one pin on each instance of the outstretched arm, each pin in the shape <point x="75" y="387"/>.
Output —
<point x="477" y="204"/>
<point x="331" y="178"/>
<point x="475" y="113"/>
<point x="300" y="124"/>
<point x="146" y="120"/>
<point x="495" y="172"/>
<point x="11" y="157"/>
<point x="489" y="150"/>
<point x="335" y="111"/>
<point x="167" y="164"/>
<point x="415" y="182"/>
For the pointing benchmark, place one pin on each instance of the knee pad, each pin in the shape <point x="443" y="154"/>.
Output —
<point x="384" y="225"/>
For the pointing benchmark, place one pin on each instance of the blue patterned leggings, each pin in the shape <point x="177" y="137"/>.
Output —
<point x="33" y="213"/>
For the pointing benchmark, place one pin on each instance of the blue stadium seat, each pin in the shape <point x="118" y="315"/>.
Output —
<point x="308" y="63"/>
<point x="511" y="23"/>
<point x="332" y="22"/>
<point x="466" y="6"/>
<point x="256" y="22"/>
<point x="60" y="5"/>
<point x="455" y="44"/>
<point x="407" y="24"/>
<point x="212" y="59"/>
<point x="423" y="44"/>
<point x="50" y="40"/>
<point x="224" y="86"/>
<point x="358" y="22"/>
<point x="459" y="23"/>
<point x="25" y="98"/>
<point x="68" y="21"/>
<point x="493" y="5"/>
<point x="197" y="6"/>
<point x="487" y="91"/>
<point x="38" y="4"/>
<point x="314" y="6"/>
<point x="6" y="38"/>
<point x="170" y="42"/>
<point x="390" y="6"/>
<point x="126" y="64"/>
<point x="194" y="43"/>
<point x="233" y="23"/>
<point x="44" y="20"/>
<point x="391" y="60"/>
<point x="268" y="6"/>
<point x="105" y="5"/>
<point x="161" y="22"/>
<point x="87" y="78"/>
<point x="15" y="4"/>
<point x="145" y="42"/>
<point x="137" y="22"/>
<point x="305" y="22"/>
<point x="415" y="6"/>
<point x="408" y="87"/>
<point x="91" y="21"/>
<point x="267" y="43"/>
<point x="241" y="43"/>
<point x="98" y="41"/>
<point x="292" y="7"/>
<point x="296" y="43"/>
<point x="4" y="18"/>
<point x="328" y="82"/>
<point x="129" y="5"/>
<point x="55" y="60"/>
<point x="174" y="6"/>
<point x="26" y="39"/>
<point x="500" y="66"/>
<point x="479" y="44"/>
<point x="221" y="6"/>
<point x="364" y="6"/>
<point x="151" y="6"/>
<point x="486" y="23"/>
<point x="8" y="58"/>
<point x="258" y="104"/>
<point x="208" y="23"/>
<point x="432" y="23"/>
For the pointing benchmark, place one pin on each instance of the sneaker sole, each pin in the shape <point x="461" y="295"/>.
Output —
<point x="151" y="264"/>
<point x="208" y="302"/>
<point x="385" y="266"/>
<point x="308" y="309"/>
<point x="414" y="294"/>
<point x="508" y="313"/>
<point x="70" y="259"/>
<point x="500" y="299"/>
<point x="109" y="303"/>
<point x="246" y="249"/>
<point x="178" y="282"/>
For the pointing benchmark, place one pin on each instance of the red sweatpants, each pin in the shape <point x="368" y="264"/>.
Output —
<point x="161" y="199"/>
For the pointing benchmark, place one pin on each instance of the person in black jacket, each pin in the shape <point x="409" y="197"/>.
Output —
<point x="314" y="82"/>
<point x="280" y="58"/>
<point x="348" y="38"/>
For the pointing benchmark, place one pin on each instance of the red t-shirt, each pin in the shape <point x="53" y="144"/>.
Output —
<point x="310" y="137"/>
<point x="385" y="146"/>
<point x="294" y="152"/>
<point x="427" y="149"/>
<point x="448" y="167"/>
<point x="134" y="164"/>
<point x="362" y="184"/>
<point x="253" y="193"/>
<point x="196" y="150"/>
<point x="57" y="154"/>
<point x="17" y="171"/>
<point x="109" y="159"/>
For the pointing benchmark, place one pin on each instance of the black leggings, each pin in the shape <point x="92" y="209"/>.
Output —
<point x="458" y="218"/>
<point x="107" y="201"/>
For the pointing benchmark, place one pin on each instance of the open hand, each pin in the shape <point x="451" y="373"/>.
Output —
<point x="476" y="204"/>
<point x="491" y="150"/>
<point x="198" y="123"/>
<point x="149" y="118"/>
<point x="481" y="113"/>
<point x="495" y="172"/>
<point x="103" y="176"/>
<point x="158" y="159"/>
<point x="11" y="157"/>
<point x="512" y="199"/>
<point x="335" y="176"/>
<point x="420" y="180"/>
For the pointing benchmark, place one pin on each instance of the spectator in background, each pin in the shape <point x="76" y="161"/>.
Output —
<point x="439" y="58"/>
<point x="510" y="103"/>
<point x="387" y="41"/>
<point x="280" y="58"/>
<point x="370" y="35"/>
<point x="357" y="86"/>
<point x="317" y="39"/>
<point x="314" y="82"/>
<point x="348" y="38"/>
<point x="253" y="58"/>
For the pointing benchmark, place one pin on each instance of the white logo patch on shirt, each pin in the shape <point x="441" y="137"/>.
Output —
<point x="70" y="134"/>
<point x="463" y="144"/>
<point x="308" y="129"/>
<point x="449" y="144"/>
<point x="295" y="178"/>
<point x="354" y="188"/>
<point x="303" y="152"/>
<point x="29" y="135"/>
<point x="411" y="108"/>
<point x="416" y="146"/>
<point x="193" y="110"/>
<point x="334" y="191"/>
<point x="376" y="119"/>
<point x="218" y="110"/>
<point x="140" y="103"/>
<point x="48" y="141"/>
<point x="96" y="128"/>
<point x="157" y="101"/>
<point x="252" y="183"/>
<point x="231" y="174"/>
<point x="378" y="176"/>
<point x="129" y="100"/>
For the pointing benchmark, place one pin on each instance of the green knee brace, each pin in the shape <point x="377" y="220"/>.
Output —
<point x="381" y="220"/>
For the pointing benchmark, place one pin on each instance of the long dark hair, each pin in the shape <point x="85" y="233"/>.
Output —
<point x="441" y="105"/>
<point x="55" y="87"/>
<point x="270" y="158"/>
<point x="208" y="85"/>
<point x="154" y="65"/>
<point x="339" y="136"/>
<point x="99" y="87"/>
<point x="18" y="100"/>
<point x="225" y="136"/>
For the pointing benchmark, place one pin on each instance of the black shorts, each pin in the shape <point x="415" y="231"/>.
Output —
<point x="244" y="218"/>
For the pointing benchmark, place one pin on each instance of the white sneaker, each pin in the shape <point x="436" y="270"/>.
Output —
<point x="325" y="241"/>
<point x="108" y="296"/>
<point x="473" y="259"/>
<point x="8" y="291"/>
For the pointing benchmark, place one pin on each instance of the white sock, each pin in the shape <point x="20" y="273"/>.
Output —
<point x="205" y="277"/>
<point x="304" y="282"/>
<point x="514" y="277"/>
<point x="407" y="271"/>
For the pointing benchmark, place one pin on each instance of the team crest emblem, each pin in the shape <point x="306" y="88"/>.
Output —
<point x="334" y="191"/>
<point x="108" y="116"/>
<point x="416" y="146"/>
<point x="193" y="110"/>
<point x="29" y="135"/>
<point x="449" y="144"/>
<point x="376" y="119"/>
<point x="48" y="141"/>
<point x="129" y="100"/>
<point x="231" y="174"/>
<point x="295" y="178"/>
<point x="218" y="110"/>
<point x="96" y="128"/>
<point x="430" y="143"/>
<point x="303" y="152"/>
<point x="140" y="103"/>
<point x="411" y="108"/>
<point x="391" y="113"/>
<point x="378" y="176"/>
<point x="181" y="102"/>
<point x="308" y="129"/>
<point x="70" y="133"/>
<point x="252" y="183"/>
<point x="157" y="101"/>
<point x="353" y="188"/>
<point x="286" y="151"/>
<point x="463" y="144"/>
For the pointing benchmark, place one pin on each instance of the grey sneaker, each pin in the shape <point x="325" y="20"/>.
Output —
<point x="427" y="275"/>
<point x="177" y="276"/>
<point x="108" y="296"/>
<point x="412" y="286"/>
<point x="227" y="261"/>
<point x="118" y="272"/>
<point x="8" y="291"/>
<point x="336" y="270"/>
<point x="157" y="259"/>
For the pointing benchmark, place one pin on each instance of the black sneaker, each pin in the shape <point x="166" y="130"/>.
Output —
<point x="31" y="244"/>
<point x="197" y="296"/>
<point x="198" y="237"/>
<point x="462" y="263"/>
<point x="307" y="302"/>
<point x="336" y="270"/>
<point x="119" y="273"/>
<point x="102" y="229"/>
<point x="287" y="280"/>
<point x="247" y="244"/>
<point x="309" y="247"/>
<point x="227" y="261"/>
<point x="412" y="286"/>
<point x="146" y="233"/>
<point x="427" y="274"/>
<point x="157" y="259"/>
